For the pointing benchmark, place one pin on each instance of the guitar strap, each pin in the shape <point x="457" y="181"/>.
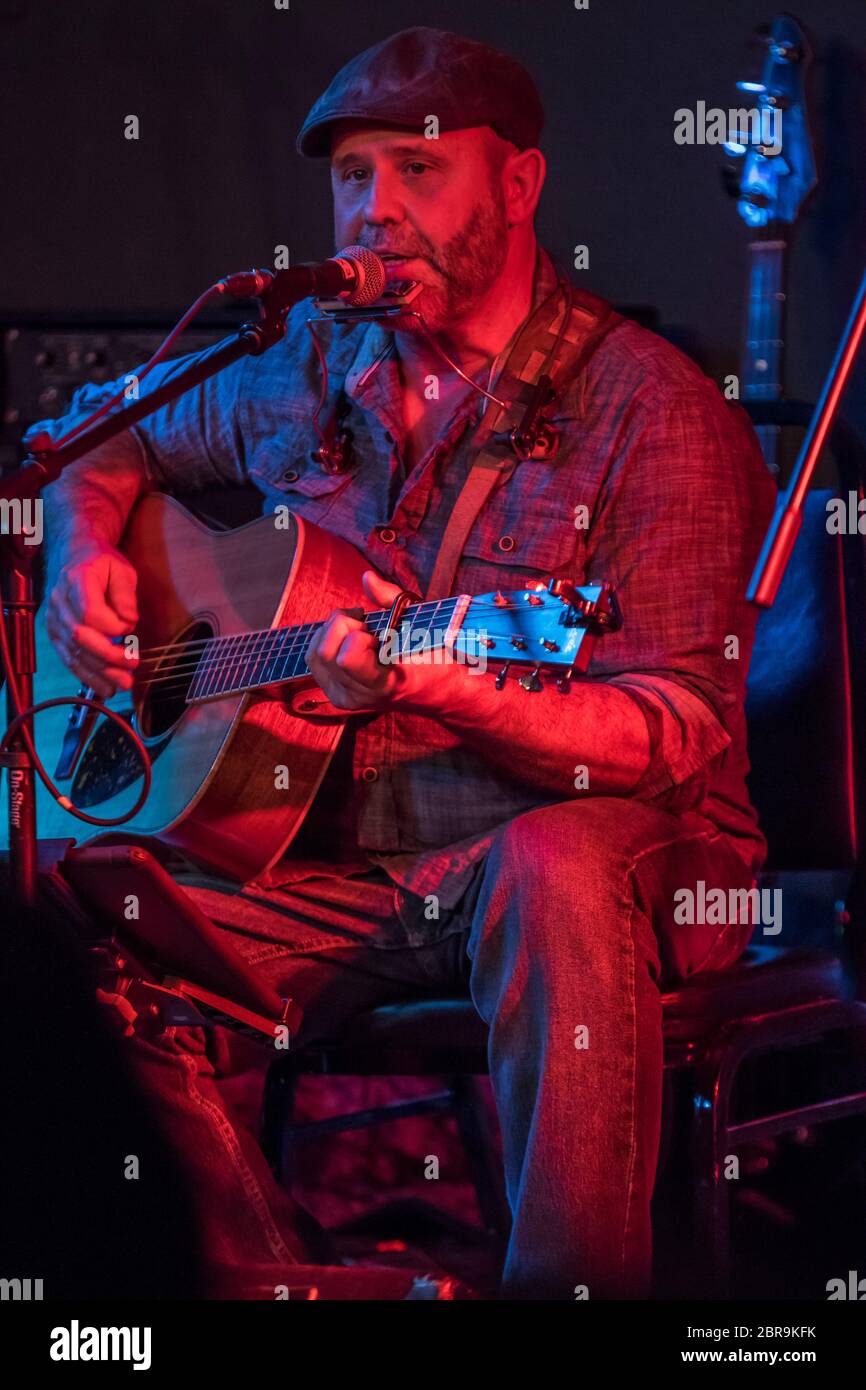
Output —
<point x="542" y="349"/>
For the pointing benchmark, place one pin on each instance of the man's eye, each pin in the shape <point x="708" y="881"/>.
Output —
<point x="349" y="175"/>
<point x="416" y="166"/>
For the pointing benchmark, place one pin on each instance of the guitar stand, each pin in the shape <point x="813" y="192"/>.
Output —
<point x="168" y="966"/>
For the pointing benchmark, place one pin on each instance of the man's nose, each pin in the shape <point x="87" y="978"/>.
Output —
<point x="383" y="203"/>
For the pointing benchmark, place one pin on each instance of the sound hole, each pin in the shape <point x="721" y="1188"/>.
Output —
<point x="164" y="689"/>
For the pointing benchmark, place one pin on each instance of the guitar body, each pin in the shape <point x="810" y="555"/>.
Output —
<point x="238" y="733"/>
<point x="220" y="766"/>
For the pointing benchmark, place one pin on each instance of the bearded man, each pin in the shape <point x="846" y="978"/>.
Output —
<point x="550" y="830"/>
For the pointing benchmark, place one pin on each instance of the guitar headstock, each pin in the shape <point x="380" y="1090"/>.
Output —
<point x="776" y="176"/>
<point x="550" y="628"/>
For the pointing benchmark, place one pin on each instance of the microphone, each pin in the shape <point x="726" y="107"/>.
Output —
<point x="355" y="274"/>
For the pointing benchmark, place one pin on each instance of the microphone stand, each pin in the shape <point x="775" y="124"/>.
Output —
<point x="43" y="466"/>
<point x="785" y="526"/>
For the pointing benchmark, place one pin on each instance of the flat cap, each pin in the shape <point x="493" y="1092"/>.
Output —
<point x="423" y="72"/>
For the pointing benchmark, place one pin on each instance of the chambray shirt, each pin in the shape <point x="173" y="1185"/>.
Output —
<point x="678" y="499"/>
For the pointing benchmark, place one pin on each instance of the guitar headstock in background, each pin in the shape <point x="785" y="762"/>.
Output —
<point x="773" y="177"/>
<point x="771" y="184"/>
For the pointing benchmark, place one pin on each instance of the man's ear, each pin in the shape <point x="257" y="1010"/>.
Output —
<point x="523" y="175"/>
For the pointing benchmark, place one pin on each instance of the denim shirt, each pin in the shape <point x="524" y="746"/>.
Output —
<point x="678" y="499"/>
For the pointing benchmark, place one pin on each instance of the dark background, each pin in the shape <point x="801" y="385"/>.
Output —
<point x="95" y="222"/>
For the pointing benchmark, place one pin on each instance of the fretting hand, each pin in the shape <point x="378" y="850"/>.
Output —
<point x="344" y="658"/>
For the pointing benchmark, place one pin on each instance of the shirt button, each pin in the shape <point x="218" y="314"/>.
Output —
<point x="291" y="475"/>
<point x="506" y="543"/>
<point x="370" y="774"/>
<point x="387" y="534"/>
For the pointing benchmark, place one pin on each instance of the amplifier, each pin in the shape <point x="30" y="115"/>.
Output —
<point x="44" y="362"/>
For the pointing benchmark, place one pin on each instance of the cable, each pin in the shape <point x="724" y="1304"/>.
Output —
<point x="22" y="715"/>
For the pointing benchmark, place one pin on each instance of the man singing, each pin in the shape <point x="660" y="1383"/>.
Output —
<point x="524" y="846"/>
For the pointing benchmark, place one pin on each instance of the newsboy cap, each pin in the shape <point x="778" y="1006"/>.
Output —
<point x="424" y="72"/>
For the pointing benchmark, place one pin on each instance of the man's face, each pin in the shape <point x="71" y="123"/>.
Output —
<point x="438" y="203"/>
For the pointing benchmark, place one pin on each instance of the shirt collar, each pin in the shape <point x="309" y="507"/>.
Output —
<point x="373" y="377"/>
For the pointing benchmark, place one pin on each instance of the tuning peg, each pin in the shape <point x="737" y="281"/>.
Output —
<point x="500" y="679"/>
<point x="532" y="682"/>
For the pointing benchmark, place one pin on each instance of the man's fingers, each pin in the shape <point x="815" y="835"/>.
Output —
<point x="330" y="637"/>
<point x="94" y="611"/>
<point x="99" y="647"/>
<point x="355" y="651"/>
<point x="378" y="589"/>
<point x="91" y="671"/>
<point x="85" y="651"/>
<point x="121" y="591"/>
<point x="102" y="687"/>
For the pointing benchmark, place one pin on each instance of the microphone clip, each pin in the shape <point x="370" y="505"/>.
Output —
<point x="393" y="301"/>
<point x="535" y="437"/>
<point x="334" y="455"/>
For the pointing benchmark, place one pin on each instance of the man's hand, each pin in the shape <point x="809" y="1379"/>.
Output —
<point x="344" y="658"/>
<point x="91" y="600"/>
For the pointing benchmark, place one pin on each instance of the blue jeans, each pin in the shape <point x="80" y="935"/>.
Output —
<point x="565" y="939"/>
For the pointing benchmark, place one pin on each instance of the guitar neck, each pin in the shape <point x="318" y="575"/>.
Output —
<point x="248" y="661"/>
<point x="762" y="364"/>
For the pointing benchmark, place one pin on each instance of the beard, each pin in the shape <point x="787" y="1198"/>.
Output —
<point x="464" y="269"/>
<point x="467" y="266"/>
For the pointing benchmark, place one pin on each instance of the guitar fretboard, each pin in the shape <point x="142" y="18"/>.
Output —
<point x="252" y="660"/>
<point x="762" y="366"/>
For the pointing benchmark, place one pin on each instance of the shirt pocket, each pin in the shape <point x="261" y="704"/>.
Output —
<point x="284" y="462"/>
<point x="510" y="544"/>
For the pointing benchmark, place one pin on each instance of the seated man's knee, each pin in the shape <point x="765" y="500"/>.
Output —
<point x="560" y="878"/>
<point x="574" y="849"/>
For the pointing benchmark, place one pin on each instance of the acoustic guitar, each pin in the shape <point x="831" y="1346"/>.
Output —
<point x="237" y="731"/>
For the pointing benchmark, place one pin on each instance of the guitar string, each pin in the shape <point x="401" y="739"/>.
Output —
<point x="299" y="641"/>
<point x="299" y="633"/>
<point x="415" y="610"/>
<point x="512" y="659"/>
<point x="178" y="670"/>
<point x="175" y="676"/>
<point x="264" y="631"/>
<point x="233" y="661"/>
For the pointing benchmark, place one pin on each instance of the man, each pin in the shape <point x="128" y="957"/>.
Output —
<point x="527" y="846"/>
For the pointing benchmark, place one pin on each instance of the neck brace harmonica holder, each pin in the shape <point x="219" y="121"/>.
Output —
<point x="533" y="437"/>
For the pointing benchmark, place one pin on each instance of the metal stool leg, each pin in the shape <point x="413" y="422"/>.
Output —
<point x="277" y="1105"/>
<point x="485" y="1163"/>
<point x="709" y="1148"/>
